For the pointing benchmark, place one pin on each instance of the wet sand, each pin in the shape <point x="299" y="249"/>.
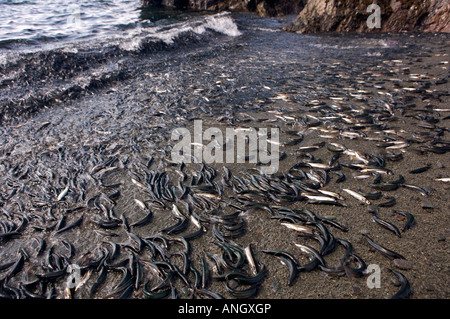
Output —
<point x="244" y="82"/>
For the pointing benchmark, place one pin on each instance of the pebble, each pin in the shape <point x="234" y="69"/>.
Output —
<point x="395" y="281"/>
<point x="403" y="264"/>
<point x="372" y="209"/>
<point x="427" y="205"/>
<point x="276" y="285"/>
<point x="364" y="231"/>
<point x="429" y="287"/>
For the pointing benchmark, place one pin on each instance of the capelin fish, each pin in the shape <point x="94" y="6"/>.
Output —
<point x="358" y="196"/>
<point x="336" y="147"/>
<point x="249" y="255"/>
<point x="140" y="203"/>
<point x="397" y="146"/>
<point x="63" y="193"/>
<point x="318" y="165"/>
<point x="195" y="221"/>
<point x="410" y="220"/>
<point x="391" y="202"/>
<point x="358" y="155"/>
<point x="299" y="228"/>
<point x="139" y="184"/>
<point x="332" y="194"/>
<point x="405" y="288"/>
<point x="144" y="221"/>
<point x="379" y="170"/>
<point x="311" y="252"/>
<point x="386" y="225"/>
<point x="421" y="190"/>
<point x="70" y="226"/>
<point x="383" y="250"/>
<point x="385" y="186"/>
<point x="371" y="196"/>
<point x="318" y="197"/>
<point x="420" y="169"/>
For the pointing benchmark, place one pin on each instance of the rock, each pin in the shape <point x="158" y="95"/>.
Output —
<point x="373" y="209"/>
<point x="364" y="232"/>
<point x="265" y="8"/>
<point x="429" y="287"/>
<point x="395" y="16"/>
<point x="276" y="285"/>
<point x="272" y="8"/>
<point x="395" y="281"/>
<point x="427" y="205"/>
<point x="403" y="264"/>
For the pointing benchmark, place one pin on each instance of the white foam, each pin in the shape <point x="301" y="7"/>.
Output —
<point x="221" y="23"/>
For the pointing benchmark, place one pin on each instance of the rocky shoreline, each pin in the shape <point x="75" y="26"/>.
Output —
<point x="335" y="15"/>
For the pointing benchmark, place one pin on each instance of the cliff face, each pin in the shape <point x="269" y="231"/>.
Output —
<point x="395" y="16"/>
<point x="336" y="15"/>
<point x="266" y="8"/>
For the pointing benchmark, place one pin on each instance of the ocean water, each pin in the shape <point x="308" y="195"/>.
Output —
<point x="39" y="23"/>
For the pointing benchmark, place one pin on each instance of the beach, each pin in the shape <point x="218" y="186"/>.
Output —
<point x="89" y="124"/>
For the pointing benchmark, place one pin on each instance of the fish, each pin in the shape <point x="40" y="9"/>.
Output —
<point x="63" y="193"/>
<point x="383" y="250"/>
<point x="289" y="260"/>
<point x="410" y="220"/>
<point x="420" y="169"/>
<point x="386" y="225"/>
<point x="405" y="287"/>
<point x="144" y="221"/>
<point x="75" y="223"/>
<point x="299" y="228"/>
<point x="358" y="196"/>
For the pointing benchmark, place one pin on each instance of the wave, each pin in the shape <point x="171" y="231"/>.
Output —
<point x="33" y="79"/>
<point x="140" y="38"/>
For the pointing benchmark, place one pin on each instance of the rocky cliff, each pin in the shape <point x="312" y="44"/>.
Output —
<point x="395" y="16"/>
<point x="337" y="15"/>
<point x="267" y="8"/>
